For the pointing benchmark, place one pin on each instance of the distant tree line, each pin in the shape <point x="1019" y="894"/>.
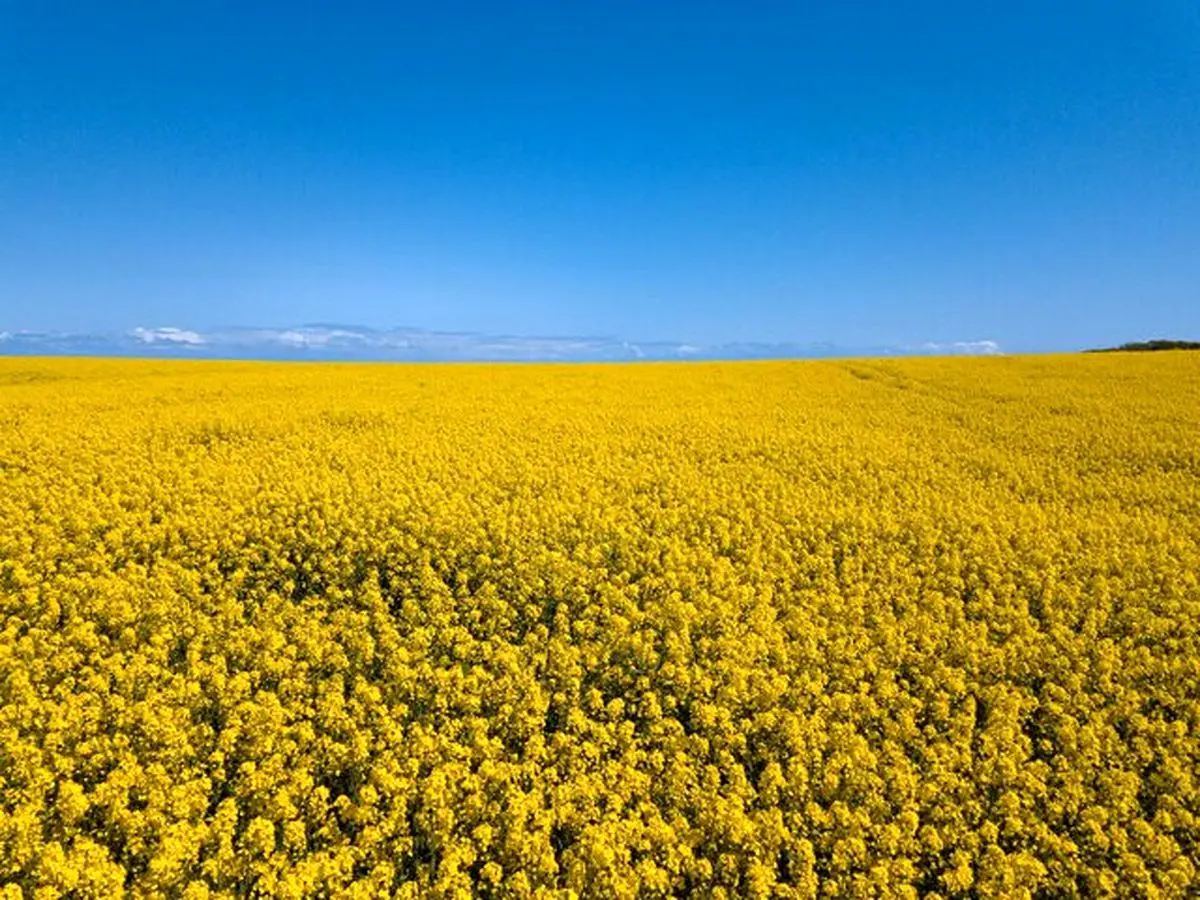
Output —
<point x="1159" y="344"/>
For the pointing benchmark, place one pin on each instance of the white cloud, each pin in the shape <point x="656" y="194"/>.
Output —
<point x="319" y="337"/>
<point x="960" y="348"/>
<point x="167" y="336"/>
<point x="351" y="342"/>
<point x="298" y="339"/>
<point x="634" y="349"/>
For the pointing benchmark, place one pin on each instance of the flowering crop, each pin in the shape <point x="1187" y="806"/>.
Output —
<point x="836" y="629"/>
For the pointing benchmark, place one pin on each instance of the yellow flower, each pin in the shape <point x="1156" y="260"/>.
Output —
<point x="847" y="628"/>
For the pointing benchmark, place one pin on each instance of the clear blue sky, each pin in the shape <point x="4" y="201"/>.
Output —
<point x="861" y="173"/>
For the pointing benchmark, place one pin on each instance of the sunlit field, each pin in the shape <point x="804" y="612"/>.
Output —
<point x="860" y="628"/>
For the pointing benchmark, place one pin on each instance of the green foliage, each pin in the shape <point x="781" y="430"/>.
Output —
<point x="1159" y="344"/>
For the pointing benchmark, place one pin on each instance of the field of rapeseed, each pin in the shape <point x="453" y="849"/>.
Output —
<point x="844" y="629"/>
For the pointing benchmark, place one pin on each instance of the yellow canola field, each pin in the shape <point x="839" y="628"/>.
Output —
<point x="822" y="629"/>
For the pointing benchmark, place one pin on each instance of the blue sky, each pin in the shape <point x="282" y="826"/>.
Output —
<point x="868" y="173"/>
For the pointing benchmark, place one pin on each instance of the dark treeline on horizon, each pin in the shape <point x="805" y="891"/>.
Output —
<point x="1158" y="344"/>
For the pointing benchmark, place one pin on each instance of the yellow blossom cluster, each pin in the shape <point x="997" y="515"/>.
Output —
<point x="773" y="630"/>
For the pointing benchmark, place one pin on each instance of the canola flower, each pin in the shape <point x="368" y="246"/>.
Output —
<point x="772" y="630"/>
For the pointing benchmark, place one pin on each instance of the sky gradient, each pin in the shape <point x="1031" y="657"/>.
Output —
<point x="864" y="174"/>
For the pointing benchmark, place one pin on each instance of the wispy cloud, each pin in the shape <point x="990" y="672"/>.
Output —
<point x="168" y="336"/>
<point x="352" y="342"/>
<point x="959" y="348"/>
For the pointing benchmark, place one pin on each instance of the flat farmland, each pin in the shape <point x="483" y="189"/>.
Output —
<point x="859" y="628"/>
